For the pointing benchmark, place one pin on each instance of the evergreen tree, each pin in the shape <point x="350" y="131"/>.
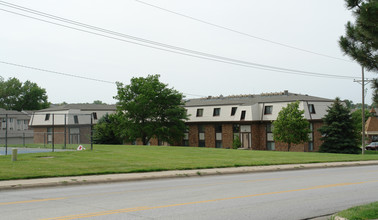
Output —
<point x="339" y="130"/>
<point x="361" y="39"/>
<point x="291" y="127"/>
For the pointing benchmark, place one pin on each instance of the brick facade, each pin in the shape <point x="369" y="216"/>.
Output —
<point x="227" y="135"/>
<point x="258" y="137"/>
<point x="210" y="135"/>
<point x="42" y="136"/>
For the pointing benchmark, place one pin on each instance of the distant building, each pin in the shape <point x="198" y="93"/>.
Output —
<point x="216" y="121"/>
<point x="67" y="124"/>
<point x="14" y="126"/>
<point x="371" y="127"/>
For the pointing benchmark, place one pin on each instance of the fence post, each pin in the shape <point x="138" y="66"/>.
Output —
<point x="91" y="131"/>
<point x="6" y="134"/>
<point x="52" y="129"/>
<point x="14" y="154"/>
<point x="65" y="131"/>
<point x="23" y="139"/>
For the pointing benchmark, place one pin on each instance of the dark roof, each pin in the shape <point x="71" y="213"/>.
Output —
<point x="253" y="99"/>
<point x="83" y="107"/>
<point x="14" y="114"/>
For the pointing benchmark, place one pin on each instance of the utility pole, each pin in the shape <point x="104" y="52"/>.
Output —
<point x="363" y="111"/>
<point x="363" y="82"/>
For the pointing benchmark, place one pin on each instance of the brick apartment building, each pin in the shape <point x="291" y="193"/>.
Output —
<point x="67" y="124"/>
<point x="215" y="121"/>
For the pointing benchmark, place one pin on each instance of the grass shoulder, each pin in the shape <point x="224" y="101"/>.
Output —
<point x="369" y="211"/>
<point x="109" y="159"/>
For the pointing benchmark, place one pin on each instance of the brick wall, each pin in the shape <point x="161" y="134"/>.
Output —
<point x="193" y="135"/>
<point x="209" y="135"/>
<point x="227" y="135"/>
<point x="258" y="136"/>
<point x="317" y="135"/>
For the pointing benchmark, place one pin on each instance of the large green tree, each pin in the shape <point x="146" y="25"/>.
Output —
<point x="339" y="130"/>
<point x="105" y="131"/>
<point x="361" y="38"/>
<point x="291" y="127"/>
<point x="147" y="108"/>
<point x="15" y="95"/>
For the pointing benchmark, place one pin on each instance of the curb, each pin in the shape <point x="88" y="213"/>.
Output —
<point x="109" y="178"/>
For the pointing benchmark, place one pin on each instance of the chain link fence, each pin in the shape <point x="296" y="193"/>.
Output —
<point x="56" y="131"/>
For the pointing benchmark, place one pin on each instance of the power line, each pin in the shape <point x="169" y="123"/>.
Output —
<point x="72" y="75"/>
<point x="56" y="72"/>
<point x="239" y="32"/>
<point x="161" y="46"/>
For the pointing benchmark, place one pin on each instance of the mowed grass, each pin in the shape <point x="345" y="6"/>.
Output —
<point x="107" y="159"/>
<point x="369" y="211"/>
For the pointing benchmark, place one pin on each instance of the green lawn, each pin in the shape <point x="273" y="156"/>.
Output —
<point x="369" y="211"/>
<point x="105" y="159"/>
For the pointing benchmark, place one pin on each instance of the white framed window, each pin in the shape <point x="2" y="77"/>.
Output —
<point x="268" y="110"/>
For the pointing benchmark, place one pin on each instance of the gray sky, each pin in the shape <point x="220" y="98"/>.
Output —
<point x="313" y="25"/>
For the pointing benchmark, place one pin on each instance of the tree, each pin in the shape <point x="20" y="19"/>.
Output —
<point x="361" y="38"/>
<point x="98" y="102"/>
<point x="339" y="131"/>
<point x="105" y="131"/>
<point x="357" y="120"/>
<point x="147" y="109"/>
<point x="17" y="96"/>
<point x="374" y="86"/>
<point x="349" y="103"/>
<point x="291" y="127"/>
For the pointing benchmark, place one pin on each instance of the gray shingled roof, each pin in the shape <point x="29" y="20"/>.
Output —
<point x="253" y="99"/>
<point x="83" y="107"/>
<point x="14" y="114"/>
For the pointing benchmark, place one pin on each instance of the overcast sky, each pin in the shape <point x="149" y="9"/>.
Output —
<point x="312" y="25"/>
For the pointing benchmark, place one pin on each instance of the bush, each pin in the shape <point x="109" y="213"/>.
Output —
<point x="236" y="143"/>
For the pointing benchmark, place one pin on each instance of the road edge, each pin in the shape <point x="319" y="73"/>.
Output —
<point x="123" y="177"/>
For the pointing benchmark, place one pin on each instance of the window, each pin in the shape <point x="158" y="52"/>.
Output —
<point x="236" y="128"/>
<point x="233" y="110"/>
<point x="201" y="136"/>
<point x="201" y="143"/>
<point x="216" y="112"/>
<point x="311" y="108"/>
<point x="218" y="136"/>
<point x="47" y="117"/>
<point x="76" y="119"/>
<point x="201" y="129"/>
<point x="199" y="112"/>
<point x="11" y="120"/>
<point x="269" y="128"/>
<point x="271" y="145"/>
<point x="94" y="114"/>
<point x="242" y="117"/>
<point x="186" y="139"/>
<point x="268" y="110"/>
<point x="310" y="146"/>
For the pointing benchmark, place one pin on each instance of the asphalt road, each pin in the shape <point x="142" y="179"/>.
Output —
<point x="300" y="194"/>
